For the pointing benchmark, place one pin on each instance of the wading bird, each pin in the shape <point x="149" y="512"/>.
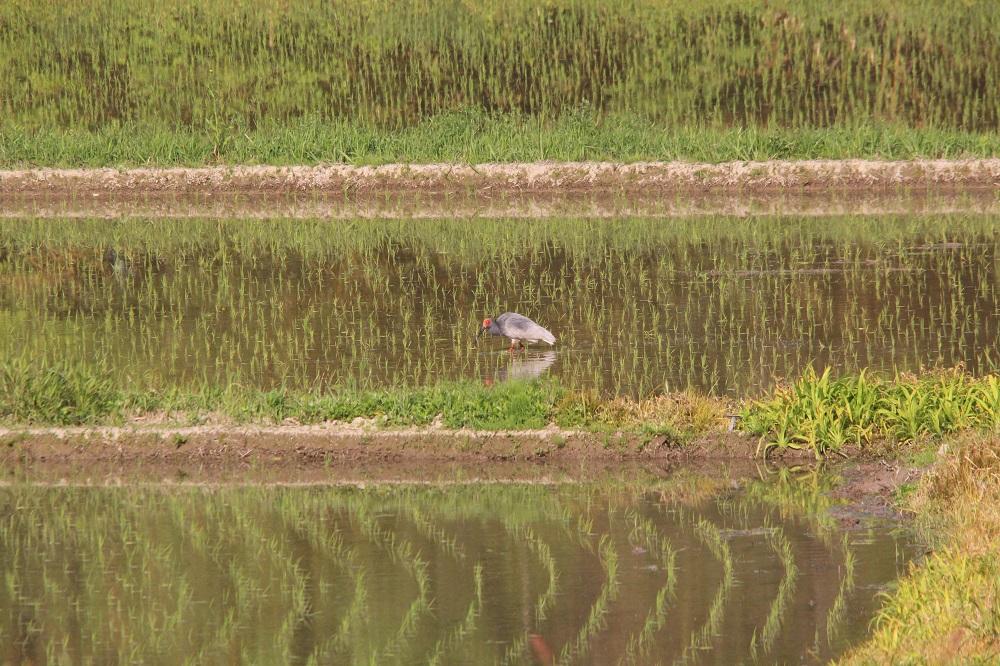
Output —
<point x="518" y="328"/>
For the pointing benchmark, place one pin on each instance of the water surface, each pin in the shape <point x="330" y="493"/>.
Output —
<point x="639" y="306"/>
<point x="682" y="569"/>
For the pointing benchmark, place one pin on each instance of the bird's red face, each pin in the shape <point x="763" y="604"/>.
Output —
<point x="485" y="327"/>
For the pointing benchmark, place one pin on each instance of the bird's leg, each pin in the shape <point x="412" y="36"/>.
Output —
<point x="511" y="350"/>
<point x="523" y="348"/>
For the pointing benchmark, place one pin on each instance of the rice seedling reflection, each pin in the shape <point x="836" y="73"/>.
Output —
<point x="470" y="573"/>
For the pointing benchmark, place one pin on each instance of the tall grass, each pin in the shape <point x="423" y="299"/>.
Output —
<point x="60" y="394"/>
<point x="227" y="67"/>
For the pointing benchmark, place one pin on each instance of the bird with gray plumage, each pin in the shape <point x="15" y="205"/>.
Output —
<point x="518" y="328"/>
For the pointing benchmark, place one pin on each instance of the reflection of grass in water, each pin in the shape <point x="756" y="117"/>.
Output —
<point x="542" y="552"/>
<point x="468" y="625"/>
<point x="578" y="648"/>
<point x="433" y="533"/>
<point x="838" y="610"/>
<point x="645" y="533"/>
<point x="356" y="614"/>
<point x="403" y="554"/>
<point x="105" y="567"/>
<point x="266" y="573"/>
<point x="798" y="493"/>
<point x="241" y="540"/>
<point x="717" y="546"/>
<point x="786" y="588"/>
<point x="806" y="495"/>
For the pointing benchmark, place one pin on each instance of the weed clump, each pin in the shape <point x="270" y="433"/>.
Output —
<point x="59" y="394"/>
<point x="823" y="415"/>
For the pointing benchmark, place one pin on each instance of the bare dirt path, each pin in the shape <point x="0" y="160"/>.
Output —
<point x="515" y="177"/>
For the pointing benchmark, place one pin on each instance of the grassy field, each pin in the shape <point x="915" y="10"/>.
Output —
<point x="118" y="82"/>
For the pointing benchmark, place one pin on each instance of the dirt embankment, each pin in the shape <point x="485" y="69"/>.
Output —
<point x="516" y="177"/>
<point x="334" y="444"/>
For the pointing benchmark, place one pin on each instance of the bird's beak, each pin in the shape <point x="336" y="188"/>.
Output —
<point x="482" y="329"/>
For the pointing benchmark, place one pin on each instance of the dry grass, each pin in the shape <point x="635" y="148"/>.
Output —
<point x="688" y="411"/>
<point x="947" y="610"/>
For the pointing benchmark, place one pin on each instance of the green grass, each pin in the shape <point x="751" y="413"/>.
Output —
<point x="474" y="137"/>
<point x="824" y="414"/>
<point x="817" y="413"/>
<point x="228" y="67"/>
<point x="64" y="394"/>
<point x="124" y="82"/>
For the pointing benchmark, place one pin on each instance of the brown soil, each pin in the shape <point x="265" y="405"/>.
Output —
<point x="517" y="177"/>
<point x="868" y="489"/>
<point x="344" y="452"/>
<point x="342" y="445"/>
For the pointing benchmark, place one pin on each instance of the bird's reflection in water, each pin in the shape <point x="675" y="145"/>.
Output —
<point x="526" y="365"/>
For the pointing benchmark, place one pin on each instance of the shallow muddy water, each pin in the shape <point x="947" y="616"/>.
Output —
<point x="638" y="306"/>
<point x="681" y="569"/>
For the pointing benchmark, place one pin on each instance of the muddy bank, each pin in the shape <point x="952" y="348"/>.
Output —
<point x="341" y="454"/>
<point x="333" y="445"/>
<point x="415" y="204"/>
<point x="814" y="175"/>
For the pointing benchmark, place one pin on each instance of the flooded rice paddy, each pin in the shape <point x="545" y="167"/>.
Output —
<point x="675" y="570"/>
<point x="639" y="306"/>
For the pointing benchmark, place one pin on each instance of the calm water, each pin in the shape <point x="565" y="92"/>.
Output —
<point x="660" y="571"/>
<point x="638" y="306"/>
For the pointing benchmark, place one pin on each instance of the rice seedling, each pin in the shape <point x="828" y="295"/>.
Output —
<point x="783" y="550"/>
<point x="701" y="638"/>
<point x="579" y="647"/>
<point x="229" y="68"/>
<point x="836" y="616"/>
<point x="702" y="304"/>
<point x="645" y="532"/>
<point x="462" y="631"/>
